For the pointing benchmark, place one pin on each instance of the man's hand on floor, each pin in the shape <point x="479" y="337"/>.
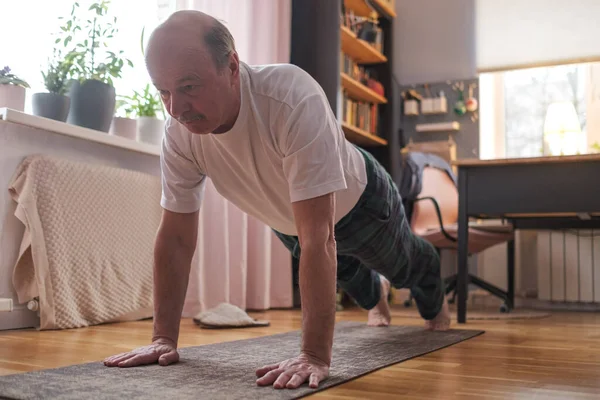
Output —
<point x="163" y="351"/>
<point x="293" y="372"/>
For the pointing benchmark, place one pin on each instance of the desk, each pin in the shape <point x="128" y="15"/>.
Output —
<point x="530" y="193"/>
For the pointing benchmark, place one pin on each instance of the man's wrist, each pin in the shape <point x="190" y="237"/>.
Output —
<point x="321" y="353"/>
<point x="315" y="358"/>
<point x="164" y="339"/>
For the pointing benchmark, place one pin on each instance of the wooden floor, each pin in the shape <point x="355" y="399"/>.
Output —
<point x="551" y="358"/>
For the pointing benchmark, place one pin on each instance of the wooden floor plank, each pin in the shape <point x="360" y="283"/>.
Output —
<point x="555" y="357"/>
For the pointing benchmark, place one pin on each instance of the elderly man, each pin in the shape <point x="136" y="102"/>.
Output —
<point x="271" y="144"/>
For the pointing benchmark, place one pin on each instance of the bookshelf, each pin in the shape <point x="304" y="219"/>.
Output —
<point x="356" y="74"/>
<point x="361" y="51"/>
<point x="361" y="91"/>
<point x="362" y="137"/>
<point x="361" y="7"/>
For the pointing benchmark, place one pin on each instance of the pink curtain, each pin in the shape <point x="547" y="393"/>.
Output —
<point x="239" y="260"/>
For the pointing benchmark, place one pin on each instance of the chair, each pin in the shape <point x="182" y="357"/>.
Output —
<point x="434" y="217"/>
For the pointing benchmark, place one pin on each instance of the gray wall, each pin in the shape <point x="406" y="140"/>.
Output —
<point x="467" y="138"/>
<point x="434" y="40"/>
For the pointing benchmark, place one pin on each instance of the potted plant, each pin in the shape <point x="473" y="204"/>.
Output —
<point x="55" y="103"/>
<point x="147" y="106"/>
<point x="12" y="90"/>
<point x="123" y="123"/>
<point x="94" y="65"/>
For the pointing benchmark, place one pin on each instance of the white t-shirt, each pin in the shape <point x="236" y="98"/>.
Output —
<point x="285" y="146"/>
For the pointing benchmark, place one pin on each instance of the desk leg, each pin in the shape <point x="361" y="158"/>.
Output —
<point x="510" y="258"/>
<point x="463" y="248"/>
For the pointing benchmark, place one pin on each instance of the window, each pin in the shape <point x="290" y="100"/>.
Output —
<point x="527" y="96"/>
<point x="521" y="99"/>
<point x="26" y="27"/>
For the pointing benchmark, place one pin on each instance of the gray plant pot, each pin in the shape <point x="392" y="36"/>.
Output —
<point x="92" y="104"/>
<point x="51" y="105"/>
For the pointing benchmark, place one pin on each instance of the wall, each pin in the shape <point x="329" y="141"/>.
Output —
<point x="434" y="40"/>
<point x="466" y="138"/>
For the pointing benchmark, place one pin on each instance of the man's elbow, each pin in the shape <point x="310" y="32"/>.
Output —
<point x="320" y="243"/>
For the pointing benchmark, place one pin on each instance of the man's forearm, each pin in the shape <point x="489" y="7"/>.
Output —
<point x="317" y="281"/>
<point x="172" y="261"/>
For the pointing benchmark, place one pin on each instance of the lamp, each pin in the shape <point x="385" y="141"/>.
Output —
<point x="562" y="131"/>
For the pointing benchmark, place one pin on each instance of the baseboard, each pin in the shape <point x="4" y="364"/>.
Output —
<point x="19" y="318"/>
<point x="485" y="299"/>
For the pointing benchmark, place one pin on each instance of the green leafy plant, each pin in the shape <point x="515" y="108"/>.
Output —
<point x="92" y="31"/>
<point x="595" y="147"/>
<point x="8" y="78"/>
<point x="144" y="104"/>
<point x="58" y="73"/>
<point x="123" y="107"/>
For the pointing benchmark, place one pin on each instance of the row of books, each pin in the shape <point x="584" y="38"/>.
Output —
<point x="354" y="70"/>
<point x="360" y="114"/>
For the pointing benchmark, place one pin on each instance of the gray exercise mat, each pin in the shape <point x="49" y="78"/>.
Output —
<point x="227" y="370"/>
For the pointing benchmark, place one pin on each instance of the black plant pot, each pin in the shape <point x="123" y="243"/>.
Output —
<point x="92" y="104"/>
<point x="51" y="105"/>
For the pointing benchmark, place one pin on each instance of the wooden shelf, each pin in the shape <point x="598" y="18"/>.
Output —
<point x="361" y="8"/>
<point x="360" y="92"/>
<point x="362" y="137"/>
<point x="358" y="49"/>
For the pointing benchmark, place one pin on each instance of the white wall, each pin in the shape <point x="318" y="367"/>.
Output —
<point x="434" y="40"/>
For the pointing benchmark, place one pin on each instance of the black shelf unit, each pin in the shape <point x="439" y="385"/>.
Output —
<point x="316" y="43"/>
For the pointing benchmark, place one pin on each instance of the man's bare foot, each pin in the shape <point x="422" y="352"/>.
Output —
<point x="380" y="314"/>
<point x="441" y="322"/>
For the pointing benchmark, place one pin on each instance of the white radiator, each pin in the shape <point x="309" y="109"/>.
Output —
<point x="568" y="266"/>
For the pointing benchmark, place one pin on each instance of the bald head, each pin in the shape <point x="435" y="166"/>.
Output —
<point x="192" y="62"/>
<point x="193" y="30"/>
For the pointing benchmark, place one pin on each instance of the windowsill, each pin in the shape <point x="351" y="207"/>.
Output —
<point x="63" y="128"/>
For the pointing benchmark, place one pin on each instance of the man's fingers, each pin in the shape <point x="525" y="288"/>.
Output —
<point x="270" y="377"/>
<point x="283" y="380"/>
<point x="115" y="360"/>
<point x="112" y="359"/>
<point x="313" y="381"/>
<point x="168" y="358"/>
<point x="261" y="371"/>
<point x="138" y="360"/>
<point x="297" y="379"/>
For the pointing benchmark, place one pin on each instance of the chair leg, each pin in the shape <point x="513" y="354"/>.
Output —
<point x="450" y="283"/>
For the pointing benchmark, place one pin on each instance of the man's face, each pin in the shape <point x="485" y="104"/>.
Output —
<point x="192" y="89"/>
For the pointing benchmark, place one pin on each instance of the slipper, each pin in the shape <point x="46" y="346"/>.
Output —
<point x="226" y="315"/>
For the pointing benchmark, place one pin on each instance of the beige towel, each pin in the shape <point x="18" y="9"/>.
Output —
<point x="226" y="315"/>
<point x="87" y="250"/>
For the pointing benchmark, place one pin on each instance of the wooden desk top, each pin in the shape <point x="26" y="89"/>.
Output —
<point x="526" y="160"/>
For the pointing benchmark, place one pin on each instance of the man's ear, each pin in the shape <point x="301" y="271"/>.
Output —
<point x="234" y="64"/>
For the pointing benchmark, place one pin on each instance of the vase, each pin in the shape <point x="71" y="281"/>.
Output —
<point x="51" y="105"/>
<point x="124" y="127"/>
<point x="92" y="104"/>
<point x="12" y="96"/>
<point x="150" y="130"/>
